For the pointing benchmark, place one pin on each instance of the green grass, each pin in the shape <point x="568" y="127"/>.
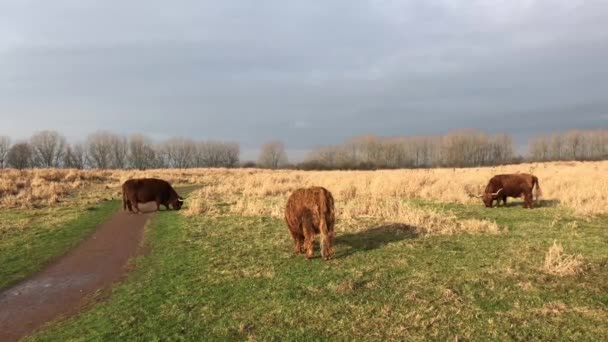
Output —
<point x="30" y="238"/>
<point x="235" y="278"/>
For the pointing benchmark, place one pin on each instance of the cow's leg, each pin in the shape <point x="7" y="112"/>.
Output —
<point x="132" y="203"/>
<point x="298" y="244"/>
<point x="126" y="203"/>
<point x="136" y="205"/>
<point x="309" y="236"/>
<point x="330" y="241"/>
<point x="158" y="203"/>
<point x="298" y="238"/>
<point x="504" y="201"/>
<point x="526" y="200"/>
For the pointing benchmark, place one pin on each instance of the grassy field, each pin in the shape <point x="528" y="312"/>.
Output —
<point x="416" y="256"/>
<point x="29" y="238"/>
<point x="233" y="277"/>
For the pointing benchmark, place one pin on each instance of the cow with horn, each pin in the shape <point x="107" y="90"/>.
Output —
<point x="511" y="185"/>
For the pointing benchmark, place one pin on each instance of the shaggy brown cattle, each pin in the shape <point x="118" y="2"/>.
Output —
<point x="144" y="190"/>
<point x="309" y="212"/>
<point x="512" y="185"/>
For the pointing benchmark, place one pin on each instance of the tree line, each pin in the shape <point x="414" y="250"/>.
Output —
<point x="571" y="145"/>
<point x="466" y="148"/>
<point x="456" y="149"/>
<point x="106" y="150"/>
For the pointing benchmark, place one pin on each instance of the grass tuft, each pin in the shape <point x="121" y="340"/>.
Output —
<point x="561" y="264"/>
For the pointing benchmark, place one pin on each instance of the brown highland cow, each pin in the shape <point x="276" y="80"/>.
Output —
<point x="511" y="185"/>
<point x="135" y="191"/>
<point x="309" y="212"/>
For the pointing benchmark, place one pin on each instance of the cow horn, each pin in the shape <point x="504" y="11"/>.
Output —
<point x="497" y="192"/>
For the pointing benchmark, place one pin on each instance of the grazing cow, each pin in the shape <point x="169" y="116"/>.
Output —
<point x="144" y="190"/>
<point x="309" y="212"/>
<point x="511" y="185"/>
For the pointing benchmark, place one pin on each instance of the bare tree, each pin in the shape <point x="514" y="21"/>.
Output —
<point x="599" y="144"/>
<point x="455" y="149"/>
<point x="217" y="154"/>
<point x="230" y="154"/>
<point x="47" y="148"/>
<point x="323" y="157"/>
<point x="179" y="152"/>
<point x="556" y="147"/>
<point x="99" y="149"/>
<point x="74" y="156"/>
<point x="573" y="143"/>
<point x="206" y="154"/>
<point x="20" y="156"/>
<point x="120" y="151"/>
<point x="158" y="161"/>
<point x="273" y="155"/>
<point x="539" y="149"/>
<point x="5" y="145"/>
<point x="392" y="155"/>
<point x="141" y="152"/>
<point x="502" y="151"/>
<point x="370" y="148"/>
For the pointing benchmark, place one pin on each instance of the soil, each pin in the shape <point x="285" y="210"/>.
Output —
<point x="64" y="287"/>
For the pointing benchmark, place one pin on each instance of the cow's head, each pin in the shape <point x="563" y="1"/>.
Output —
<point x="489" y="197"/>
<point x="178" y="203"/>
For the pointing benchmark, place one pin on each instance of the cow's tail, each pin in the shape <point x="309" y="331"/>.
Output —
<point x="536" y="187"/>
<point x="324" y="230"/>
<point x="124" y="201"/>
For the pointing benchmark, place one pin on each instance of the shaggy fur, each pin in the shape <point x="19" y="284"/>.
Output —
<point x="309" y="212"/>
<point x="144" y="190"/>
<point x="511" y="185"/>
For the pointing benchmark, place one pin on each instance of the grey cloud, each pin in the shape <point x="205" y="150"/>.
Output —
<point x="309" y="73"/>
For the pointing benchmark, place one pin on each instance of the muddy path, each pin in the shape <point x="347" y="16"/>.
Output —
<point x="66" y="285"/>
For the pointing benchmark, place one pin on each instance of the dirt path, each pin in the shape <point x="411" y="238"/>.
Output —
<point x="65" y="286"/>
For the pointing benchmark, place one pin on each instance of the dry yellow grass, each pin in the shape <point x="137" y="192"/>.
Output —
<point x="38" y="188"/>
<point x="50" y="187"/>
<point x="264" y="193"/>
<point x="379" y="195"/>
<point x="580" y="186"/>
<point x="561" y="264"/>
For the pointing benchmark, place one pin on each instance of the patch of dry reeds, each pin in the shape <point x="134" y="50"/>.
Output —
<point x="580" y="186"/>
<point x="559" y="263"/>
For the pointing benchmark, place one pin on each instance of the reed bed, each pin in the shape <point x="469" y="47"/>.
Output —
<point x="579" y="186"/>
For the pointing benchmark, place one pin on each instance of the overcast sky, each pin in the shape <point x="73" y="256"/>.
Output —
<point x="307" y="72"/>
